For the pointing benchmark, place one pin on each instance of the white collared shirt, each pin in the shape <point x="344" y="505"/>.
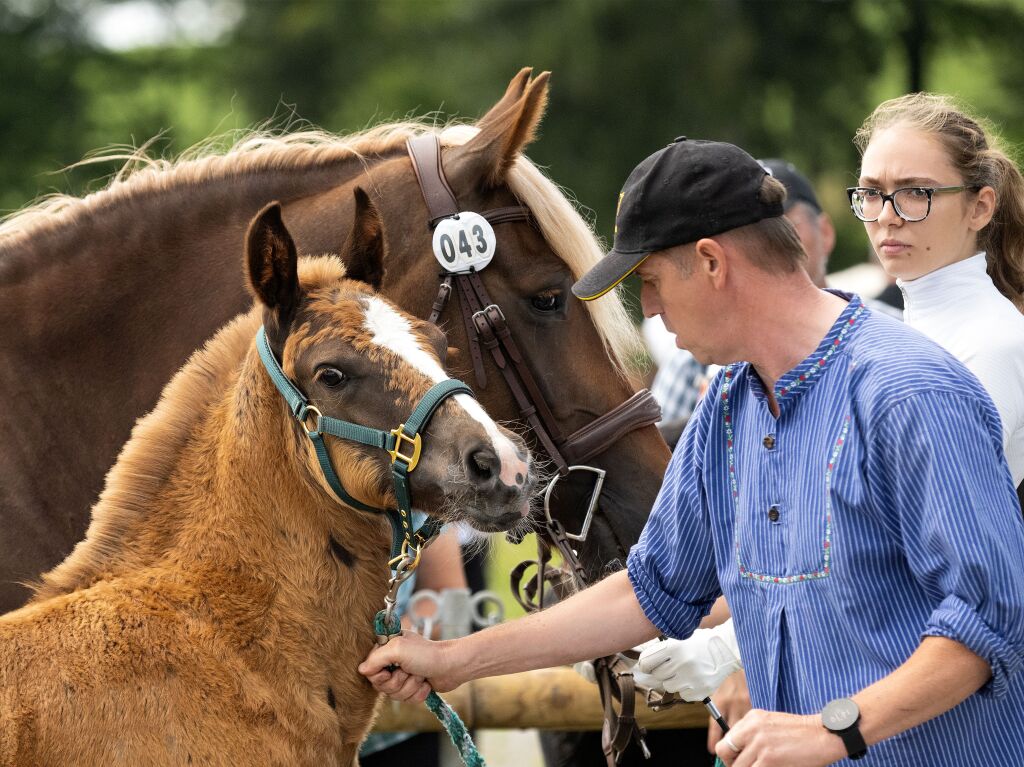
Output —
<point x="960" y="309"/>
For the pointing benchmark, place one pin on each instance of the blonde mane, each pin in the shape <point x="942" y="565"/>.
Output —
<point x="560" y="222"/>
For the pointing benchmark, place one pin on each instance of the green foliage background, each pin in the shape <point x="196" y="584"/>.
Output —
<point x="790" y="78"/>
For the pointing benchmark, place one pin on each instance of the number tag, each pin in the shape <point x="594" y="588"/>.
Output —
<point x="464" y="241"/>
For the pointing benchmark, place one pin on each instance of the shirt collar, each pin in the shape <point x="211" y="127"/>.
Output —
<point x="802" y="377"/>
<point x="932" y="291"/>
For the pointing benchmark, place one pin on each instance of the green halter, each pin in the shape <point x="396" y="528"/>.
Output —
<point x="405" y="437"/>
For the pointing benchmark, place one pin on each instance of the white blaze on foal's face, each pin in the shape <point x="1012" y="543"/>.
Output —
<point x="393" y="331"/>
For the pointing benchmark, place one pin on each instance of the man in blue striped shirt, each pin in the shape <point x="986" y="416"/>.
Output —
<point x="842" y="483"/>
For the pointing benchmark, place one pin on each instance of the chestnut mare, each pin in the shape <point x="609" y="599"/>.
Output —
<point x="111" y="293"/>
<point x="222" y="599"/>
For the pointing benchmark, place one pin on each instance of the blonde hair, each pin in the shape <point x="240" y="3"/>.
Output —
<point x="976" y="153"/>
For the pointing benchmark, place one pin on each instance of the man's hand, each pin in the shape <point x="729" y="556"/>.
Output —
<point x="693" y="667"/>
<point x="422" y="665"/>
<point x="769" y="739"/>
<point x="733" y="701"/>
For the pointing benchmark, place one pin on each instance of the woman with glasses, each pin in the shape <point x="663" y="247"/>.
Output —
<point x="944" y="209"/>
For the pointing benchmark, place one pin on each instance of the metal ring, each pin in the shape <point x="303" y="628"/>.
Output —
<point x="478" y="603"/>
<point x="728" y="741"/>
<point x="319" y="415"/>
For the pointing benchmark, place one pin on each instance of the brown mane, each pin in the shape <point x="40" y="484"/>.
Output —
<point x="149" y="457"/>
<point x="560" y="221"/>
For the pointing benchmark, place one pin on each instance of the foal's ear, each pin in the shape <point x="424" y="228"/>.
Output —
<point x="504" y="131"/>
<point x="273" y="264"/>
<point x="364" y="252"/>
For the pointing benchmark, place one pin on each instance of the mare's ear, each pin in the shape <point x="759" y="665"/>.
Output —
<point x="513" y="93"/>
<point x="504" y="132"/>
<point x="364" y="252"/>
<point x="273" y="265"/>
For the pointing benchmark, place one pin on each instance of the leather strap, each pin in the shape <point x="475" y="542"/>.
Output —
<point x="600" y="434"/>
<point x="425" y="152"/>
<point x="469" y="308"/>
<point x="619" y="726"/>
<point x="444" y="294"/>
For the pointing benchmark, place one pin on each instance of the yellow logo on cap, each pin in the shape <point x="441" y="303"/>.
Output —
<point x="618" y="207"/>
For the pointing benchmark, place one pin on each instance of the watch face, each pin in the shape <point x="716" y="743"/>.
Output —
<point x="840" y="714"/>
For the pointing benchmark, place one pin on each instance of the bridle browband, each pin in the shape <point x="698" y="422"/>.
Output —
<point x="406" y="436"/>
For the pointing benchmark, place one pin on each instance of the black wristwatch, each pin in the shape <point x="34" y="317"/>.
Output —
<point x="841" y="717"/>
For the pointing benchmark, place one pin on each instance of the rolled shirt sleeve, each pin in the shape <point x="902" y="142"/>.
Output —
<point x="940" y="464"/>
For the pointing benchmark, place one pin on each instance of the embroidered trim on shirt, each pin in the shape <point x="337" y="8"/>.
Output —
<point x="816" y="367"/>
<point x="782" y="580"/>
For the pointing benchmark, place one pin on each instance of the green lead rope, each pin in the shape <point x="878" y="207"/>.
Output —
<point x="455" y="727"/>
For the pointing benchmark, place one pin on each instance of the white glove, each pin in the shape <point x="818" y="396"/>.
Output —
<point x="585" y="668"/>
<point x="693" y="667"/>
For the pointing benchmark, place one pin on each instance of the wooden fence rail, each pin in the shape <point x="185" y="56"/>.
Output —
<point x="549" y="699"/>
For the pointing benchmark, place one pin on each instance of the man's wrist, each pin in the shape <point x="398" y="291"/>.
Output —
<point x="841" y="717"/>
<point x="832" y="745"/>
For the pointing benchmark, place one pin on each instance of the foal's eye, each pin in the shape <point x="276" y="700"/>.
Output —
<point x="330" y="377"/>
<point x="546" y="302"/>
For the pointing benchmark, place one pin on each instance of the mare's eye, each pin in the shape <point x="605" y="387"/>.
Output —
<point x="546" y="302"/>
<point x="330" y="377"/>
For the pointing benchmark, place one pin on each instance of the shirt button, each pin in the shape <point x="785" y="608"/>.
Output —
<point x="773" y="514"/>
<point x="769" y="442"/>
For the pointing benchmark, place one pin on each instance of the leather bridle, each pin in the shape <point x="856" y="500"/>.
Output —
<point x="487" y="329"/>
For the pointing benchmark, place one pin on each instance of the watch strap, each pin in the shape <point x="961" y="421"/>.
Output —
<point x="856" y="747"/>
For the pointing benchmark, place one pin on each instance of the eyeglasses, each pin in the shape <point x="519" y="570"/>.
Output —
<point x="912" y="203"/>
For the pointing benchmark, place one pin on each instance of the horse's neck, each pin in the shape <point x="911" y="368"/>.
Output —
<point x="275" y="539"/>
<point x="242" y="494"/>
<point x="234" y="519"/>
<point x="159" y="240"/>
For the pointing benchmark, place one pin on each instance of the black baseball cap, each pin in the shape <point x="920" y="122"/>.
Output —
<point x="798" y="188"/>
<point x="686" y="191"/>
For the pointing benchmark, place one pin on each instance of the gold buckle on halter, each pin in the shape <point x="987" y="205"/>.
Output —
<point x="396" y="453"/>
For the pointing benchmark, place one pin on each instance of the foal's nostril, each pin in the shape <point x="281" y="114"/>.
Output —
<point x="482" y="465"/>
